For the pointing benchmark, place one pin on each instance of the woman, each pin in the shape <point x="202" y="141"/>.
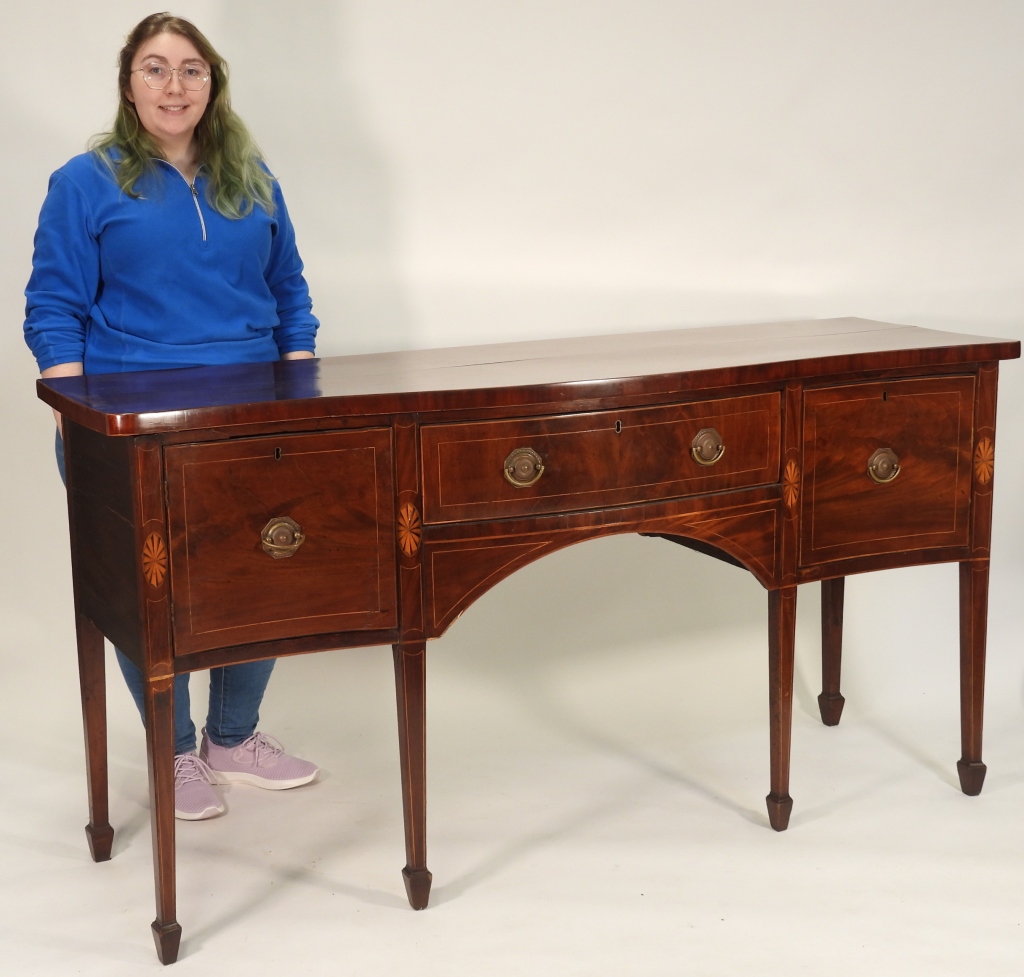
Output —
<point x="169" y="245"/>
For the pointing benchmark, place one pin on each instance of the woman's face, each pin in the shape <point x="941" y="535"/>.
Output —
<point x="171" y="115"/>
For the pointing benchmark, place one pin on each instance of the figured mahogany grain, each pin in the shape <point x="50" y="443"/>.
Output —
<point x="597" y="459"/>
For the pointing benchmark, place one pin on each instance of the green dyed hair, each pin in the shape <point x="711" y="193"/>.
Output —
<point x="236" y="180"/>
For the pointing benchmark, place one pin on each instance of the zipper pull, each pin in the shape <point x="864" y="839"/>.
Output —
<point x="195" y="192"/>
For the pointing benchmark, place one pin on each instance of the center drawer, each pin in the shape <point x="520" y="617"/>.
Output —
<point x="479" y="470"/>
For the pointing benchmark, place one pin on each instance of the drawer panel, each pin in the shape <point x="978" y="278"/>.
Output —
<point x="929" y="425"/>
<point x="597" y="459"/>
<point x="227" y="589"/>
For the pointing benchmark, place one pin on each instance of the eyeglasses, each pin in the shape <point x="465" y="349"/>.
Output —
<point x="156" y="75"/>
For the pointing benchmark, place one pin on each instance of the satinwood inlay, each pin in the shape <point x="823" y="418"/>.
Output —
<point x="410" y="529"/>
<point x="154" y="559"/>
<point x="984" y="460"/>
<point x="791" y="484"/>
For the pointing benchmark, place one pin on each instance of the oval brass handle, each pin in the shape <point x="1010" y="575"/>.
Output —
<point x="523" y="467"/>
<point x="707" y="447"/>
<point x="281" y="537"/>
<point x="883" y="466"/>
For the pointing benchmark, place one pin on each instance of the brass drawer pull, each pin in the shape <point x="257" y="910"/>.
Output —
<point x="281" y="537"/>
<point x="883" y="466"/>
<point x="707" y="447"/>
<point x="523" y="467"/>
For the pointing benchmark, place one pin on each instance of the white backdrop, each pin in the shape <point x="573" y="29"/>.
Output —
<point x="461" y="172"/>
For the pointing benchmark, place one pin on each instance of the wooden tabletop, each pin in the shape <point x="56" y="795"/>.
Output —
<point x="548" y="371"/>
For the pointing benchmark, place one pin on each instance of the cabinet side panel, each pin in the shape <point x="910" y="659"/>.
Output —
<point x="104" y="557"/>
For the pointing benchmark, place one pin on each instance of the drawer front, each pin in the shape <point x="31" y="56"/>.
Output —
<point x="928" y="425"/>
<point x="597" y="459"/>
<point x="223" y="499"/>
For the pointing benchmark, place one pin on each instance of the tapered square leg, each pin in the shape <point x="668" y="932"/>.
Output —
<point x="158" y="695"/>
<point x="831" y="701"/>
<point x="92" y="679"/>
<point x="781" y="639"/>
<point x="410" y="686"/>
<point x="973" y="633"/>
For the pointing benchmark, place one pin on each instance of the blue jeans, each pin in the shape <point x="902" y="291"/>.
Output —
<point x="236" y="691"/>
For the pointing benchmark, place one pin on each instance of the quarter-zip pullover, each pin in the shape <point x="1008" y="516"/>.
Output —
<point x="195" y="199"/>
<point x="163" y="280"/>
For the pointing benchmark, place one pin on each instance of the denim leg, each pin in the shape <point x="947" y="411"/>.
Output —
<point x="59" y="448"/>
<point x="184" y="728"/>
<point x="236" y="692"/>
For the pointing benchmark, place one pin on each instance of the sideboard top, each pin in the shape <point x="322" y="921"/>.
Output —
<point x="547" y="371"/>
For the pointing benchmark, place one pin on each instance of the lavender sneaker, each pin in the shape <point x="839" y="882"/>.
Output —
<point x="194" y="796"/>
<point x="260" y="760"/>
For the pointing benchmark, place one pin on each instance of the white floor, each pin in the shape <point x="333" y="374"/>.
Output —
<point x="598" y="761"/>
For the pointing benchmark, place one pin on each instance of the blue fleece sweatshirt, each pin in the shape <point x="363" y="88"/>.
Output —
<point x="122" y="283"/>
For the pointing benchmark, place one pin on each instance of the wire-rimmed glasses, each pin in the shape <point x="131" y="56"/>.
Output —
<point x="157" y="75"/>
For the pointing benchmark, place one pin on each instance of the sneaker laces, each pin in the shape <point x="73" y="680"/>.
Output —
<point x="189" y="767"/>
<point x="265" y="749"/>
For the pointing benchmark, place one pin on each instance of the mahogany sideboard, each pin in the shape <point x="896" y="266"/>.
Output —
<point x="226" y="514"/>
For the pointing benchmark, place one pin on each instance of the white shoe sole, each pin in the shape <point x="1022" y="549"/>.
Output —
<point x="254" y="780"/>
<point x="205" y="814"/>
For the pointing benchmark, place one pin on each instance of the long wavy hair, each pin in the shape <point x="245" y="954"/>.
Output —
<point x="232" y="162"/>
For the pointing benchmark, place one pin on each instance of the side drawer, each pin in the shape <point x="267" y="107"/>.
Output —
<point x="929" y="426"/>
<point x="597" y="459"/>
<point x="228" y="589"/>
